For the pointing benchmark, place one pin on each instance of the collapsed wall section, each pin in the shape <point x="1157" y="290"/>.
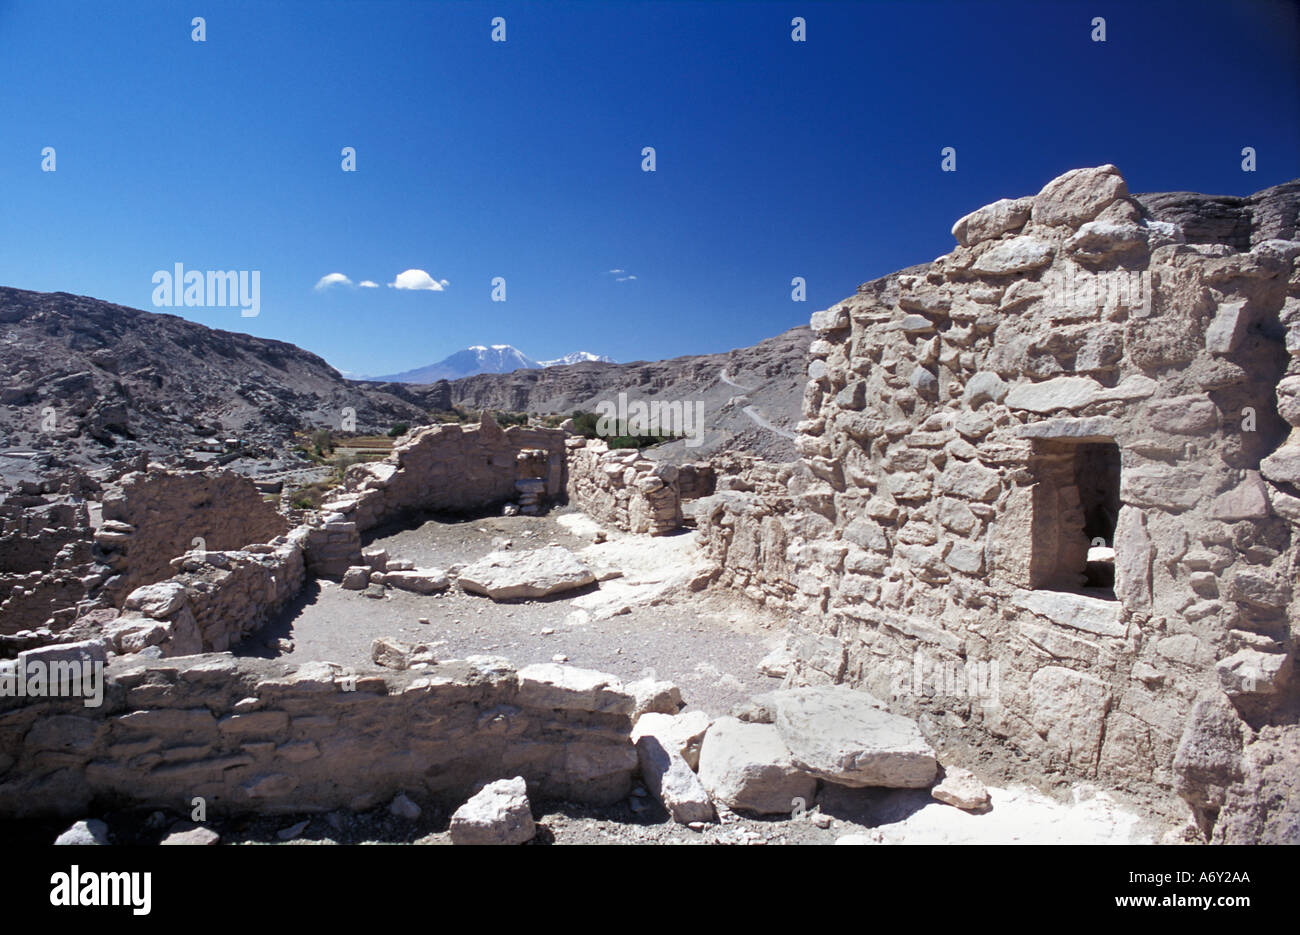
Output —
<point x="252" y="735"/>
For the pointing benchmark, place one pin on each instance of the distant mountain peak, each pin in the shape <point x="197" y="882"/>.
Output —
<point x="480" y="358"/>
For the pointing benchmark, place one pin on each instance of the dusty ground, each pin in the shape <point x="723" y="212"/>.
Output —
<point x="642" y="622"/>
<point x="629" y="626"/>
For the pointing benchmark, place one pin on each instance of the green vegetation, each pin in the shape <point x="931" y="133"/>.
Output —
<point x="322" y="442"/>
<point x="585" y="424"/>
<point x="401" y="428"/>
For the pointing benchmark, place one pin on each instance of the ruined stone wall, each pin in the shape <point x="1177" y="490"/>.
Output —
<point x="252" y="735"/>
<point x="451" y="468"/>
<point x="696" y="479"/>
<point x="47" y="564"/>
<point x="938" y="520"/>
<point x="151" y="517"/>
<point x="622" y="488"/>
<point x="214" y="599"/>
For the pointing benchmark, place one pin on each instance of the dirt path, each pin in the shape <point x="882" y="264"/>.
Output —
<point x="754" y="415"/>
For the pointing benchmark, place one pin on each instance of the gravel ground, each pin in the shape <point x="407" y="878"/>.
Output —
<point x="708" y="647"/>
<point x="643" y="622"/>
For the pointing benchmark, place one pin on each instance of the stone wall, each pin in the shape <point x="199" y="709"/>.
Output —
<point x="253" y="735"/>
<point x="47" y="564"/>
<point x="970" y="427"/>
<point x="622" y="488"/>
<point x="151" y="517"/>
<point x="214" y="600"/>
<point x="450" y="468"/>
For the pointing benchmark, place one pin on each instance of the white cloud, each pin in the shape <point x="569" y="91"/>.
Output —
<point x="418" y="279"/>
<point x="624" y="278"/>
<point x="332" y="279"/>
<point x="367" y="284"/>
<point x="614" y="272"/>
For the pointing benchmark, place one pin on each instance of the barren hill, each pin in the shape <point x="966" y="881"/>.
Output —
<point x="90" y="381"/>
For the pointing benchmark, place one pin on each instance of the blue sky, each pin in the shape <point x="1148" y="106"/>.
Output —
<point x="522" y="159"/>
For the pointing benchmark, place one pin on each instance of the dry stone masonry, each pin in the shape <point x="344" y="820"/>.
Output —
<point x="252" y="735"/>
<point x="1060" y="464"/>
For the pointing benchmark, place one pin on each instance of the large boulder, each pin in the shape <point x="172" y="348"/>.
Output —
<point x="537" y="573"/>
<point x="748" y="767"/>
<point x="1076" y="197"/>
<point x="843" y="736"/>
<point x="498" y="814"/>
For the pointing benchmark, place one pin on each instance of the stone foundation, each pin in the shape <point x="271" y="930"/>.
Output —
<point x="251" y="735"/>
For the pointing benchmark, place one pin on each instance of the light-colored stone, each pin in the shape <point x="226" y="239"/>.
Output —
<point x="1057" y="393"/>
<point x="531" y="574"/>
<point x="1078" y="196"/>
<point x="843" y="736"/>
<point x="1079" y="611"/>
<point x="190" y="834"/>
<point x="748" y="767"/>
<point x="1020" y="255"/>
<point x="669" y="777"/>
<point x="961" y="788"/>
<point x="499" y="813"/>
<point x="569" y="688"/>
<point x="90" y="831"/>
<point x="419" y="580"/>
<point x="993" y="220"/>
<point x="653" y="695"/>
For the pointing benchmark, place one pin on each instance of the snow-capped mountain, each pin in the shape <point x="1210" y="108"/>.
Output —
<point x="577" y="357"/>
<point x="479" y="358"/>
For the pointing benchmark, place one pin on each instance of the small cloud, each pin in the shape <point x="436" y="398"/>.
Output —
<point x="418" y="279"/>
<point x="624" y="278"/>
<point x="367" y="284"/>
<point x="333" y="279"/>
<point x="615" y="272"/>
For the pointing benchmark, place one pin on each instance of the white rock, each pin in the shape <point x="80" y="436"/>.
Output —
<point x="569" y="688"/>
<point x="498" y="814"/>
<point x="419" y="580"/>
<point x="843" y="736"/>
<point x="186" y="834"/>
<point x="91" y="831"/>
<point x="654" y="696"/>
<point x="1015" y="256"/>
<point x="681" y="733"/>
<point x="534" y="573"/>
<point x="778" y="663"/>
<point x="356" y="578"/>
<point x="961" y="788"/>
<point x="669" y="777"/>
<point x="157" y="600"/>
<point x="1058" y="393"/>
<point x="748" y="767"/>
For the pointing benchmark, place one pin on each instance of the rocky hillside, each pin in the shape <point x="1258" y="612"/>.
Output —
<point x="91" y="382"/>
<point x="743" y="391"/>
